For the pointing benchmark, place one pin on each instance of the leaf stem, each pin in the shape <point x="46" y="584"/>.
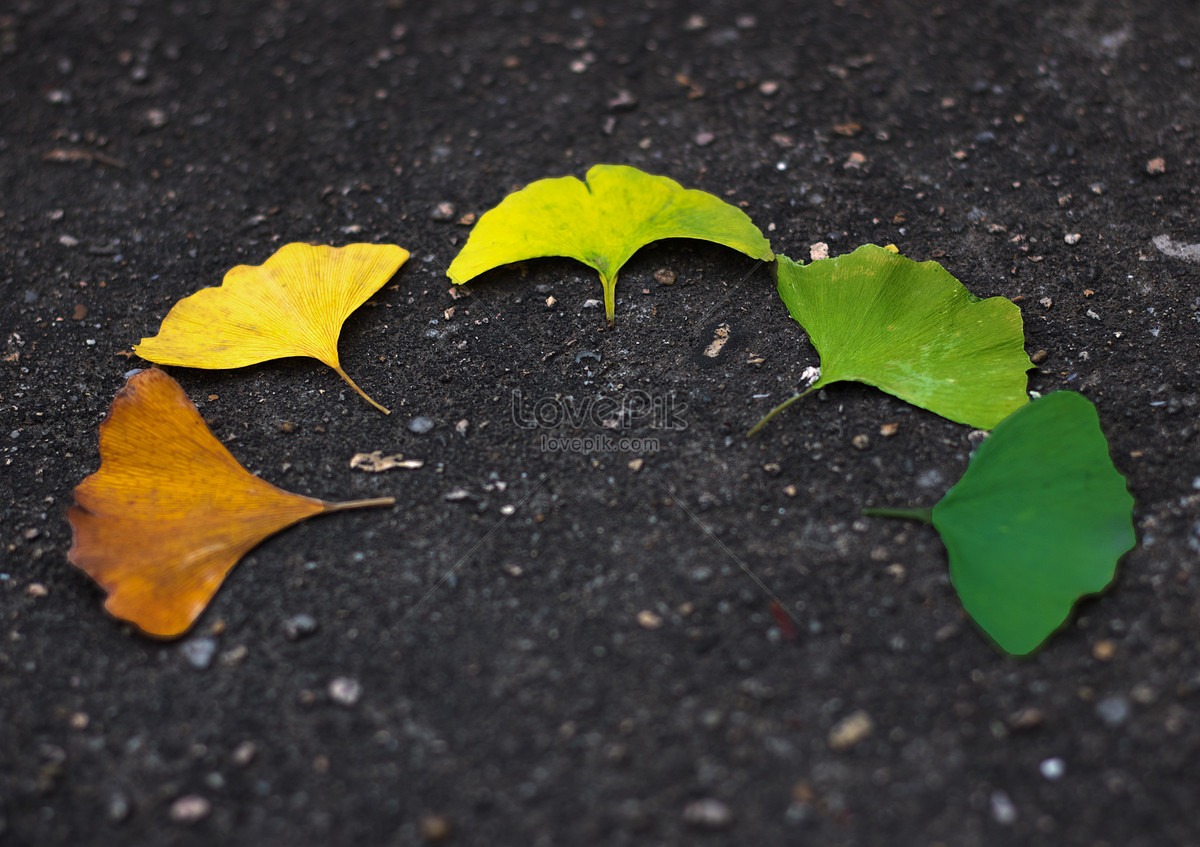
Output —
<point x="361" y="393"/>
<point x="610" y="296"/>
<point x="346" y="505"/>
<point x="754" y="430"/>
<point x="923" y="515"/>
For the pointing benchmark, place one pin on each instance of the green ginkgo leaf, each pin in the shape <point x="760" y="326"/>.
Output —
<point x="602" y="223"/>
<point x="911" y="329"/>
<point x="1038" y="521"/>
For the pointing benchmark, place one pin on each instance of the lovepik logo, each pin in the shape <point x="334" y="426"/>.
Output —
<point x="622" y="411"/>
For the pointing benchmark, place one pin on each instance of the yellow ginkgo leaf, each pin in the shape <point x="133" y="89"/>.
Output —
<point x="294" y="304"/>
<point x="170" y="511"/>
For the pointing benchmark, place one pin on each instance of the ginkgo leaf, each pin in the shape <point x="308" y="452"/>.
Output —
<point x="602" y="223"/>
<point x="170" y="511"/>
<point x="294" y="304"/>
<point x="910" y="329"/>
<point x="1039" y="520"/>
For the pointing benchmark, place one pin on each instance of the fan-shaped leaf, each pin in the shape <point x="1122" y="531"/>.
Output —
<point x="602" y="223"/>
<point x="294" y="304"/>
<point x="170" y="511"/>
<point x="1039" y="519"/>
<point x="911" y="329"/>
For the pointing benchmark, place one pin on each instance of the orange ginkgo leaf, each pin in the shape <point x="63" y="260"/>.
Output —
<point x="294" y="304"/>
<point x="170" y="511"/>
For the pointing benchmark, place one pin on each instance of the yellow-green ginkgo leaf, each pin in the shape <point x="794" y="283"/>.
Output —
<point x="294" y="304"/>
<point x="601" y="222"/>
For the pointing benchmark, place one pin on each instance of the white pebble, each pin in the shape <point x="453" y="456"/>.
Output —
<point x="708" y="814"/>
<point x="1003" y="810"/>
<point x="345" y="691"/>
<point x="1052" y="768"/>
<point x="190" y="809"/>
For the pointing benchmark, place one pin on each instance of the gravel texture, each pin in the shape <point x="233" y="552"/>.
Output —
<point x="580" y="647"/>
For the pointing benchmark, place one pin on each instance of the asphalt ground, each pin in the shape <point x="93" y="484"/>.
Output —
<point x="548" y="642"/>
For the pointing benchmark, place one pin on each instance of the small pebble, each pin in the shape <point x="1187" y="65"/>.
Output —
<point x="850" y="730"/>
<point x="36" y="589"/>
<point x="1143" y="694"/>
<point x="709" y="813"/>
<point x="190" y="809"/>
<point x="855" y="161"/>
<point x="1114" y="710"/>
<point x="946" y="632"/>
<point x="1038" y="357"/>
<point x="887" y="430"/>
<point x="1027" y="718"/>
<point x="1156" y="166"/>
<point x="664" y="277"/>
<point x="345" y="691"/>
<point x="1052" y="769"/>
<point x="298" y="626"/>
<point x="703" y="139"/>
<point x="199" y="652"/>
<point x="624" y="101"/>
<point x="118" y="807"/>
<point x="420" y="425"/>
<point x="244" y="753"/>
<point x="648" y="620"/>
<point x="931" y="478"/>
<point x="1003" y="810"/>
<point x="1104" y="651"/>
<point x="1072" y="237"/>
<point x="236" y="656"/>
<point x="861" y="442"/>
<point x="636" y="464"/>
<point x="768" y="88"/>
<point x="442" y="212"/>
<point x="436" y="829"/>
<point x="456" y="495"/>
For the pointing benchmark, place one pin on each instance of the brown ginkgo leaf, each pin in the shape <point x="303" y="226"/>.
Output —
<point x="170" y="511"/>
<point x="294" y="304"/>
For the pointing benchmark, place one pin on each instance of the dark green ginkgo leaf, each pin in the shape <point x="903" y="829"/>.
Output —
<point x="601" y="222"/>
<point x="1039" y="520"/>
<point x="911" y="329"/>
